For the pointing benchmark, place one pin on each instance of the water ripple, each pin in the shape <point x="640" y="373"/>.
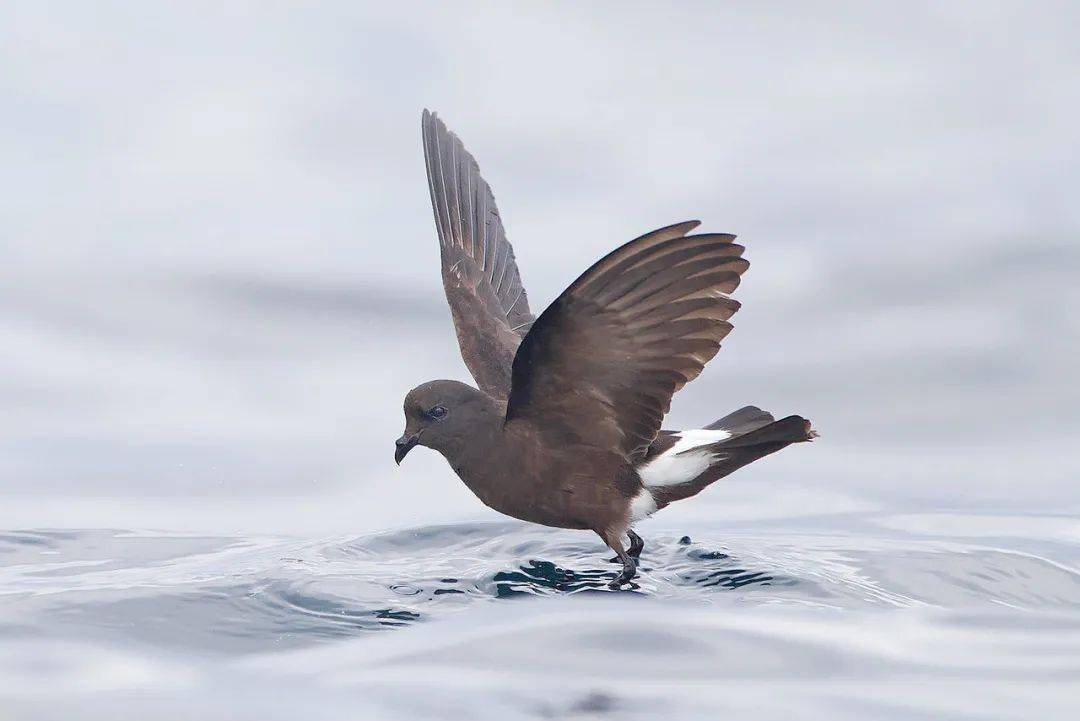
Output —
<point x="248" y="594"/>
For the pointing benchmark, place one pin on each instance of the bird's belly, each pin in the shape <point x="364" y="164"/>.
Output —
<point x="573" y="487"/>
<point x="544" y="516"/>
<point x="554" y="503"/>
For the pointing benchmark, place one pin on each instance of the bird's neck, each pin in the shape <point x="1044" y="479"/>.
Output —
<point x="475" y="453"/>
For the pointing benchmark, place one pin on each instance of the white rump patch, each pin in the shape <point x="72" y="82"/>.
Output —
<point x="642" y="506"/>
<point x="682" y="463"/>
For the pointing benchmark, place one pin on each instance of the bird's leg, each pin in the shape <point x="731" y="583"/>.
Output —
<point x="629" y="568"/>
<point x="637" y="544"/>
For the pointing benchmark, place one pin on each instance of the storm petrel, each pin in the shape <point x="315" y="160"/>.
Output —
<point x="564" y="427"/>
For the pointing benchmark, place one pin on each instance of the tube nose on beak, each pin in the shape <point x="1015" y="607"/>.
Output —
<point x="402" y="446"/>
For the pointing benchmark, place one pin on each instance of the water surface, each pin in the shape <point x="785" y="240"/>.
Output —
<point x="850" y="616"/>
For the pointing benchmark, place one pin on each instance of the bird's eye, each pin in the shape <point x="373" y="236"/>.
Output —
<point x="437" y="412"/>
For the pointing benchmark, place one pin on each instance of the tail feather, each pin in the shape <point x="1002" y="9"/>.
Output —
<point x="742" y="421"/>
<point x="792" y="429"/>
<point x="754" y="434"/>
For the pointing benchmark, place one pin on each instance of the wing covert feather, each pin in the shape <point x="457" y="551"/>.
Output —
<point x="601" y="363"/>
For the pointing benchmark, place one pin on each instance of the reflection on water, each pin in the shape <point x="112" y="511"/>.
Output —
<point x="773" y="606"/>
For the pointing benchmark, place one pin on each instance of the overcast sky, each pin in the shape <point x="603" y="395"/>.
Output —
<point x="220" y="276"/>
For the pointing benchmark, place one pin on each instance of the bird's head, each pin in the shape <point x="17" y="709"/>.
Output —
<point x="439" y="414"/>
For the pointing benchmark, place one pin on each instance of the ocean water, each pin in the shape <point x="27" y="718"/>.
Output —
<point x="859" y="615"/>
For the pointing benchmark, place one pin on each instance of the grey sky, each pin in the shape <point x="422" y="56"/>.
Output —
<point x="220" y="271"/>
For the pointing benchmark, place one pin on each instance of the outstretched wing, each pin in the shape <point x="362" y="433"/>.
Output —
<point x="481" y="279"/>
<point x="600" y="365"/>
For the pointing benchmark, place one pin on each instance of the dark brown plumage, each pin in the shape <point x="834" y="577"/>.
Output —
<point x="565" y="427"/>
<point x="481" y="279"/>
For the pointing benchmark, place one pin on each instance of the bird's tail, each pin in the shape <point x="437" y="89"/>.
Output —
<point x="751" y="433"/>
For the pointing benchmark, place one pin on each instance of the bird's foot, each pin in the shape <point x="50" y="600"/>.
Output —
<point x="628" y="573"/>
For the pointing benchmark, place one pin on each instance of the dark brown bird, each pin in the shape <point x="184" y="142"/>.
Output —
<point x="564" y="429"/>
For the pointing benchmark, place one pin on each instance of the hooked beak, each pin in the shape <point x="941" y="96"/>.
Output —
<point x="403" y="445"/>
